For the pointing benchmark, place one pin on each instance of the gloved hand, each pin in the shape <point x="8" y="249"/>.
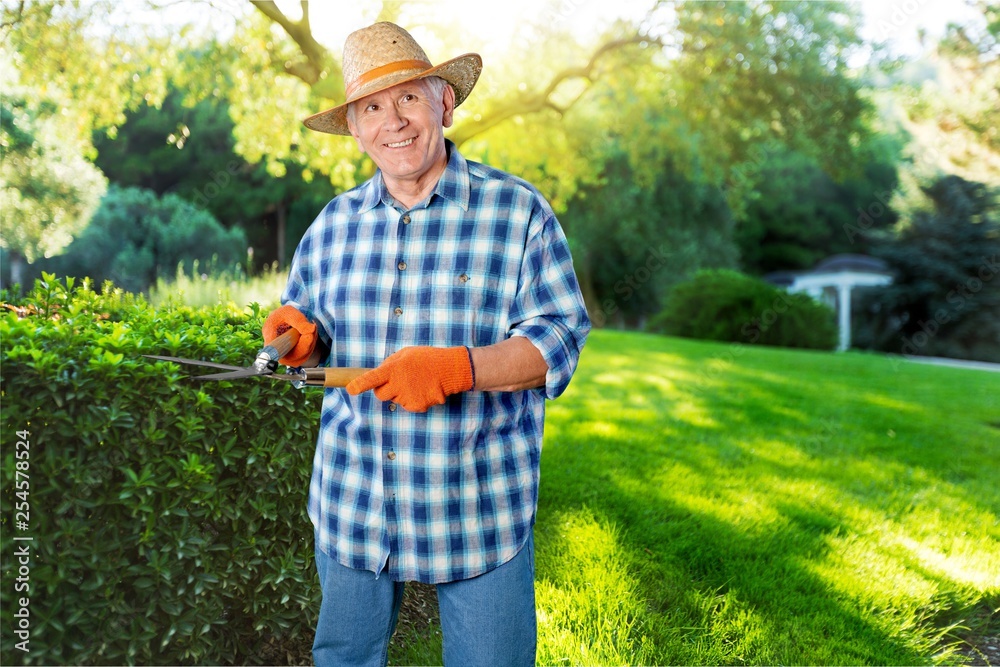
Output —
<point x="289" y="317"/>
<point x="418" y="377"/>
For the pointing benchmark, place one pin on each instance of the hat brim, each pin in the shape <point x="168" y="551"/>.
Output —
<point x="461" y="72"/>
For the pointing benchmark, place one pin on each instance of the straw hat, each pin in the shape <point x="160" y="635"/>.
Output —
<point x="384" y="55"/>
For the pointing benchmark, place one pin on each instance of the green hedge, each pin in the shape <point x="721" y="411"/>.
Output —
<point x="729" y="306"/>
<point x="167" y="516"/>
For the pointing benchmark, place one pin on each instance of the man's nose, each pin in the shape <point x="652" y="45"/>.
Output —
<point x="394" y="120"/>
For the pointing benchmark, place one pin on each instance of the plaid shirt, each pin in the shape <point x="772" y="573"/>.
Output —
<point x="451" y="493"/>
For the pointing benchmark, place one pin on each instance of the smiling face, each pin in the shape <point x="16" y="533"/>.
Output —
<point x="402" y="129"/>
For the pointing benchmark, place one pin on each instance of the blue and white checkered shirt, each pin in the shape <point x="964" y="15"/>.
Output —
<point x="450" y="493"/>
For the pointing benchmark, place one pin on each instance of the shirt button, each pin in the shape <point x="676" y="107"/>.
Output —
<point x="406" y="219"/>
<point x="398" y="311"/>
<point x="464" y="278"/>
<point x="391" y="456"/>
<point x="392" y="407"/>
<point x="402" y="266"/>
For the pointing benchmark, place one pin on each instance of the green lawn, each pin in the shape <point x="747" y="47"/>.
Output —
<point x="717" y="504"/>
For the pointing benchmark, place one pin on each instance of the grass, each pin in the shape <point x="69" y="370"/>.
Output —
<point x="221" y="287"/>
<point x="715" y="504"/>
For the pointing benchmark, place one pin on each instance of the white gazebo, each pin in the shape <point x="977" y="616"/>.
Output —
<point x="831" y="282"/>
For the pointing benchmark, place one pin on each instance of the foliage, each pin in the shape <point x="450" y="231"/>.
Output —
<point x="754" y="73"/>
<point x="182" y="150"/>
<point x="799" y="215"/>
<point x="190" y="151"/>
<point x="632" y="243"/>
<point x="69" y="80"/>
<point x="974" y="53"/>
<point x="47" y="190"/>
<point x="707" y="504"/>
<point x="168" y="516"/>
<point x="692" y="89"/>
<point x="94" y="75"/>
<point x="945" y="297"/>
<point x="136" y="237"/>
<point x="948" y="106"/>
<point x="724" y="305"/>
<point x="555" y="126"/>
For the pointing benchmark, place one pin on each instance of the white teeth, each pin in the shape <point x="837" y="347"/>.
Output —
<point x="401" y="144"/>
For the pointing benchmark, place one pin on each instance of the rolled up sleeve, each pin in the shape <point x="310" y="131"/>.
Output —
<point x="549" y="310"/>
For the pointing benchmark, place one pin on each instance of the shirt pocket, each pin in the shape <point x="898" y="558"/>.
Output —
<point x="465" y="306"/>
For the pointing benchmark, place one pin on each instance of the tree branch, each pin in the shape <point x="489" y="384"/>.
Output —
<point x="271" y="11"/>
<point x="317" y="58"/>
<point x="17" y="17"/>
<point x="532" y="102"/>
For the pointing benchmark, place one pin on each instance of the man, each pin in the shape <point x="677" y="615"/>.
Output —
<point x="453" y="281"/>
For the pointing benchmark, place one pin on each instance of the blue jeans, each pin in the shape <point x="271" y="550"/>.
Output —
<point x="486" y="620"/>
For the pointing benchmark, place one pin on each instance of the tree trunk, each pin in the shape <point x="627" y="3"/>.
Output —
<point x="281" y="234"/>
<point x="17" y="267"/>
<point x="597" y="315"/>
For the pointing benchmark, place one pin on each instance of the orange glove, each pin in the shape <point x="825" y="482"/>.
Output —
<point x="418" y="377"/>
<point x="289" y="317"/>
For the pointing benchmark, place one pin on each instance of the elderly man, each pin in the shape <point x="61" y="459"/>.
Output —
<point x="454" y="282"/>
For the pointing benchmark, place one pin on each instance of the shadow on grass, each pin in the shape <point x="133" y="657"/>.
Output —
<point x="770" y="510"/>
<point x="802" y="404"/>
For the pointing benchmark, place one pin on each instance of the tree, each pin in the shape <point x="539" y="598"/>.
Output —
<point x="631" y="243"/>
<point x="799" y="214"/>
<point x="753" y="74"/>
<point x="47" y="190"/>
<point x="136" y="237"/>
<point x="190" y="151"/>
<point x="947" y="105"/>
<point x="78" y="54"/>
<point x="273" y="71"/>
<point x="60" y="83"/>
<point x="973" y="52"/>
<point x="945" y="298"/>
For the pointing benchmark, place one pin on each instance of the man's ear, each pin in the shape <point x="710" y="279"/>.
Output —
<point x="448" y="101"/>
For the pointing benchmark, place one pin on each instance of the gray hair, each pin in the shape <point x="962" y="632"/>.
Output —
<point x="433" y="86"/>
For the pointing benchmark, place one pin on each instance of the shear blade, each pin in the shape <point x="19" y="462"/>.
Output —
<point x="235" y="375"/>
<point x="195" y="362"/>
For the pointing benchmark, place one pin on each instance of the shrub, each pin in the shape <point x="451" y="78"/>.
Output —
<point x="136" y="237"/>
<point x="167" y="516"/>
<point x="726" y="305"/>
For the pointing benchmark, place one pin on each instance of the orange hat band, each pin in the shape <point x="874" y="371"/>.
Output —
<point x="384" y="70"/>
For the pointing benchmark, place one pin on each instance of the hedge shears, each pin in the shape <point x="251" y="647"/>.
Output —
<point x="266" y="365"/>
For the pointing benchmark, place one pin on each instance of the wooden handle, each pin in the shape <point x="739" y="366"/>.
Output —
<point x="341" y="377"/>
<point x="281" y="345"/>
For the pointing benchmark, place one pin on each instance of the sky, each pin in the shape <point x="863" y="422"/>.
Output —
<point x="492" y="26"/>
<point x="493" y="23"/>
<point x="898" y="21"/>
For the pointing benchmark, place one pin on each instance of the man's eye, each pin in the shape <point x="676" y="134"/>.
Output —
<point x="409" y="98"/>
<point x="371" y="107"/>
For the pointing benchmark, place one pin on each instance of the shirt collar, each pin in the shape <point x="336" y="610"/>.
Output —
<point x="454" y="182"/>
<point x="453" y="185"/>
